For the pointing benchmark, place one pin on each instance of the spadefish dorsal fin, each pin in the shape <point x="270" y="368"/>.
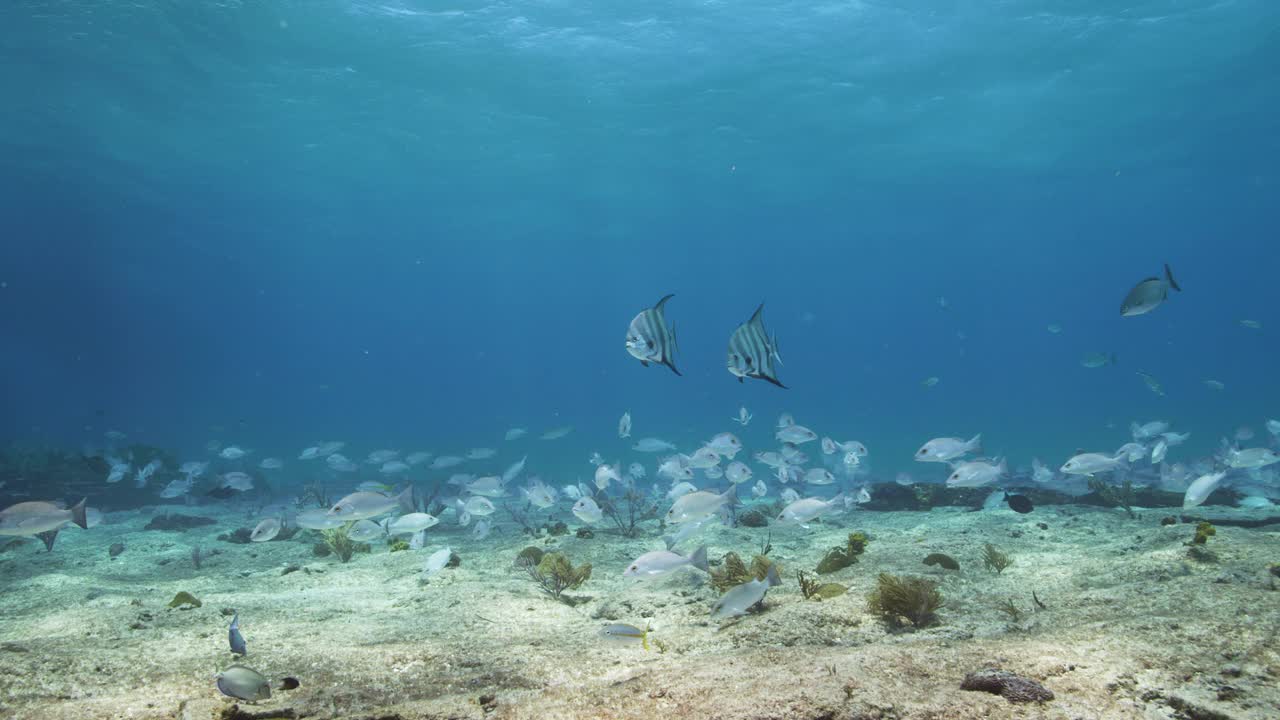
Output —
<point x="658" y="306"/>
<point x="756" y="317"/>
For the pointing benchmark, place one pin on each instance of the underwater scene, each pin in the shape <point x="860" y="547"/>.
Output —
<point x="831" y="360"/>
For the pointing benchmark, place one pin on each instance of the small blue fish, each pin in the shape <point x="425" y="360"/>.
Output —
<point x="234" y="636"/>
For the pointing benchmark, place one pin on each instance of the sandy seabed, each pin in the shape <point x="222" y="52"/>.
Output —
<point x="1132" y="628"/>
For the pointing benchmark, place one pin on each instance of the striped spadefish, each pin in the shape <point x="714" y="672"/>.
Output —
<point x="751" y="342"/>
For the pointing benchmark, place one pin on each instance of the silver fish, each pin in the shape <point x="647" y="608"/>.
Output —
<point x="803" y="511"/>
<point x="587" y="511"/>
<point x="361" y="505"/>
<point x="1252" y="458"/>
<point x="244" y="683"/>
<point x="366" y="531"/>
<point x="700" y="504"/>
<point x="752" y="351"/>
<point x="33" y="518"/>
<point x="650" y="339"/>
<point x="652" y="445"/>
<point x="622" y="633"/>
<point x="1148" y="294"/>
<point x="266" y="530"/>
<point x="514" y="470"/>
<point x="1152" y="383"/>
<point x="437" y="562"/>
<point x="659" y="563"/>
<point x="741" y="598"/>
<point x="412" y="523"/>
<point x="318" y="519"/>
<point x="1091" y="463"/>
<point x="1098" y="359"/>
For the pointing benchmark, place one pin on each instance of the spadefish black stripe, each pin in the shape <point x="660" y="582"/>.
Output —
<point x="650" y="331"/>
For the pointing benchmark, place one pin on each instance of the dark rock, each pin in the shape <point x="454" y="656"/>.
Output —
<point x="941" y="560"/>
<point x="454" y="560"/>
<point x="1042" y="526"/>
<point x="488" y="703"/>
<point x="585" y="533"/>
<point x="235" y="712"/>
<point x="1013" y="688"/>
<point x="1200" y="553"/>
<point x="753" y="518"/>
<point x="290" y="569"/>
<point x="239" y="537"/>
<point x="174" y="522"/>
<point x="1168" y="520"/>
<point x="554" y="529"/>
<point x="1229" y="693"/>
<point x="115" y="549"/>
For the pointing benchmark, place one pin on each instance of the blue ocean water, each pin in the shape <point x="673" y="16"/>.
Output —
<point x="416" y="224"/>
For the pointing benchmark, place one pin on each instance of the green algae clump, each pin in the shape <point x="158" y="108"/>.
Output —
<point x="814" y="590"/>
<point x="733" y="572"/>
<point x="841" y="558"/>
<point x="906" y="600"/>
<point x="530" y="554"/>
<point x="184" y="601"/>
<point x="398" y="545"/>
<point x="554" y="573"/>
<point x="942" y="560"/>
<point x="340" y="543"/>
<point x="1204" y="530"/>
<point x="994" y="559"/>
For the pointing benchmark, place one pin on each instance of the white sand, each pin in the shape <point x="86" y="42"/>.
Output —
<point x="1133" y="628"/>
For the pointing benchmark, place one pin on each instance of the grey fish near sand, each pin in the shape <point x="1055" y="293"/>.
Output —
<point x="235" y="638"/>
<point x="35" y="517"/>
<point x="362" y="505"/>
<point x="244" y="683"/>
<point x="739" y="599"/>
